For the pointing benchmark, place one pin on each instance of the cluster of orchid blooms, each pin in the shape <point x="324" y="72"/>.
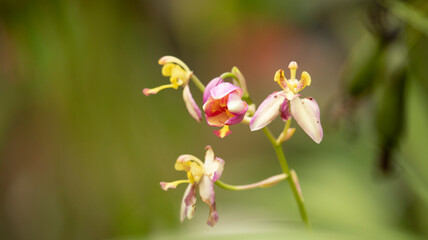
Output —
<point x="226" y="104"/>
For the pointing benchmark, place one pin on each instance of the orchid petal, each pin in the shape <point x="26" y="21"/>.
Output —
<point x="224" y="89"/>
<point x="170" y="59"/>
<point x="167" y="69"/>
<point x="207" y="194"/>
<point x="285" y="111"/>
<point x="188" y="203"/>
<point x="267" y="112"/>
<point x="213" y="83"/>
<point x="280" y="79"/>
<point x="307" y="114"/>
<point x="239" y="115"/>
<point x="216" y="169"/>
<point x="191" y="105"/>
<point x="235" y="104"/>
<point x="305" y="80"/>
<point x="178" y="73"/>
<point x="213" y="165"/>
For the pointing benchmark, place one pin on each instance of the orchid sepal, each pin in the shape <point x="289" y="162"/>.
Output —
<point x="307" y="114"/>
<point x="191" y="105"/>
<point x="267" y="111"/>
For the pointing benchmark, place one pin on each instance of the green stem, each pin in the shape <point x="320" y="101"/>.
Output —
<point x="268" y="182"/>
<point x="283" y="161"/>
<point x="229" y="74"/>
<point x="198" y="83"/>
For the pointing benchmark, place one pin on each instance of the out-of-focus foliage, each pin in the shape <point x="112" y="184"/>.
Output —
<point x="83" y="150"/>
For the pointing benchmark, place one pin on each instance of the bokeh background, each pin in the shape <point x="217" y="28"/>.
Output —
<point x="82" y="150"/>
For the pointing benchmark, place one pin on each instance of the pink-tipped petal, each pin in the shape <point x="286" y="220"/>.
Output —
<point x="207" y="194"/>
<point x="235" y="104"/>
<point x="213" y="83"/>
<point x="285" y="111"/>
<point x="166" y="59"/>
<point x="307" y="114"/>
<point x="188" y="203"/>
<point x="224" y="89"/>
<point x="213" y="165"/>
<point x="191" y="105"/>
<point x="219" y="167"/>
<point x="267" y="112"/>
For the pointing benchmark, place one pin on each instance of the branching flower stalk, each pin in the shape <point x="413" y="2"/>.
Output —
<point x="227" y="104"/>
<point x="295" y="187"/>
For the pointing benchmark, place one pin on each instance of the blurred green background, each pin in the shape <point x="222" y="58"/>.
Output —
<point x="82" y="150"/>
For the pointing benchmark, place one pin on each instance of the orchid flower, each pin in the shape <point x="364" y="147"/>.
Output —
<point x="223" y="105"/>
<point x="201" y="175"/>
<point x="179" y="75"/>
<point x="288" y="104"/>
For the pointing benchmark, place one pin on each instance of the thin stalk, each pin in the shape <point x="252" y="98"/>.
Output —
<point x="198" y="83"/>
<point x="268" y="182"/>
<point x="283" y="162"/>
<point x="229" y="74"/>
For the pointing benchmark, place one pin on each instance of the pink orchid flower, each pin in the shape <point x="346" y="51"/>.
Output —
<point x="223" y="105"/>
<point x="179" y="75"/>
<point x="288" y="104"/>
<point x="202" y="175"/>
